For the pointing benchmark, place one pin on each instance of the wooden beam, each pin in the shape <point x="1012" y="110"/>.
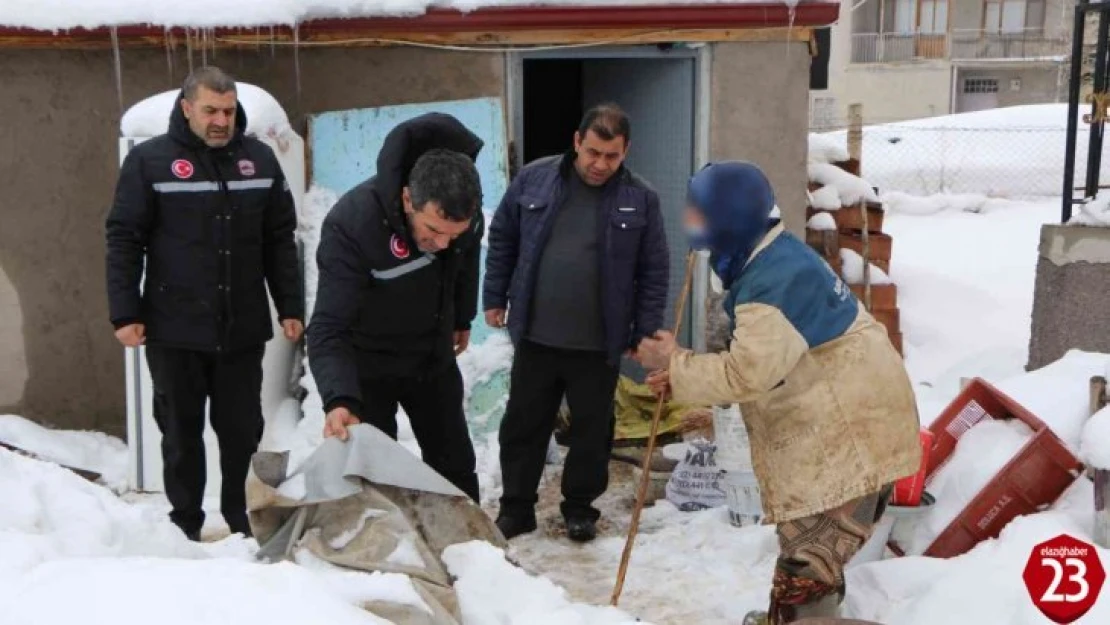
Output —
<point x="358" y="38"/>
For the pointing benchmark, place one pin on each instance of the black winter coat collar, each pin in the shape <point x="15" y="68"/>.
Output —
<point x="183" y="134"/>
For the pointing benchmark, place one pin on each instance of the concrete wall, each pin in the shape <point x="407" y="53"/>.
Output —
<point x="760" y="112"/>
<point x="1039" y="84"/>
<point x="1071" y="306"/>
<point x="964" y="15"/>
<point x="896" y="92"/>
<point x="59" y="361"/>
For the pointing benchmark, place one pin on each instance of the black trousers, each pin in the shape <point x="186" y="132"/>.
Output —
<point x="540" y="377"/>
<point x="433" y="400"/>
<point x="184" y="380"/>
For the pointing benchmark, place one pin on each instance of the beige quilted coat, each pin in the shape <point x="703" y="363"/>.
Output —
<point x="827" y="425"/>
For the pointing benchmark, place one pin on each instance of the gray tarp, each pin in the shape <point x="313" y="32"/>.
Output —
<point x="367" y="504"/>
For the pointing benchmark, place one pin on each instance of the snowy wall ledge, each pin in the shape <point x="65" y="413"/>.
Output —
<point x="1071" y="304"/>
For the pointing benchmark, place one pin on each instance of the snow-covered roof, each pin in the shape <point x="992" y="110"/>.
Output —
<point x="55" y="15"/>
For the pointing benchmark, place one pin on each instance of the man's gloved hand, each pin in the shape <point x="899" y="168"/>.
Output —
<point x="337" y="421"/>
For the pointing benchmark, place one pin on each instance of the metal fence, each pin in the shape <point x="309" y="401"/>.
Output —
<point x="967" y="45"/>
<point x="1011" y="162"/>
<point x="896" y="47"/>
<point x="959" y="45"/>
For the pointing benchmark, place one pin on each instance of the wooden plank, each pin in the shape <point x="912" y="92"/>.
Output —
<point x="358" y="38"/>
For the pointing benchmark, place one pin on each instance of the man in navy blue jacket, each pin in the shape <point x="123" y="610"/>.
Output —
<point x="577" y="268"/>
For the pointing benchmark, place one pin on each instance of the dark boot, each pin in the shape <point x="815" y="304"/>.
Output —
<point x="238" y="524"/>
<point x="581" y="530"/>
<point x="512" y="526"/>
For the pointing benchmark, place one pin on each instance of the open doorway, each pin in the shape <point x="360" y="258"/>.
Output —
<point x="656" y="87"/>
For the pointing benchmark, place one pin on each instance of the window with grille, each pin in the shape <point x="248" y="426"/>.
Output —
<point x="980" y="85"/>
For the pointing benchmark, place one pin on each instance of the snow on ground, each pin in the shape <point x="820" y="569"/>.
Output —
<point x="93" y="451"/>
<point x="965" y="292"/>
<point x="493" y="592"/>
<point x="687" y="567"/>
<point x="1096" y="440"/>
<point x="983" y="586"/>
<point x="66" y="14"/>
<point x="1005" y="152"/>
<point x="75" y="552"/>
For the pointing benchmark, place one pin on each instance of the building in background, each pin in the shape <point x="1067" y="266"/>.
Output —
<point x="908" y="59"/>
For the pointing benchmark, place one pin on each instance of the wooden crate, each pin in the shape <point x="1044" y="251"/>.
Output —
<point x="849" y="218"/>
<point x="881" y="246"/>
<point x="896" y="341"/>
<point x="883" y="296"/>
<point x="889" y="317"/>
<point x="825" y="242"/>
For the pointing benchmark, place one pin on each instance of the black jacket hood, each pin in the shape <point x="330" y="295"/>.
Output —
<point x="404" y="145"/>
<point x="179" y="126"/>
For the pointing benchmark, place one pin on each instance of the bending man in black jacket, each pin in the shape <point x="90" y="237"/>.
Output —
<point x="398" y="266"/>
<point x="210" y="213"/>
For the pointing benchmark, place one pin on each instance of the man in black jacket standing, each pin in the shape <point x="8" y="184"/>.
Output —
<point x="208" y="212"/>
<point x="398" y="265"/>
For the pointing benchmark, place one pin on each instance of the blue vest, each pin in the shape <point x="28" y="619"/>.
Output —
<point x="790" y="276"/>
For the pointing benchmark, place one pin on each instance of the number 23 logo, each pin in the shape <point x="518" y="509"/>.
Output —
<point x="1051" y="594"/>
<point x="1064" y="577"/>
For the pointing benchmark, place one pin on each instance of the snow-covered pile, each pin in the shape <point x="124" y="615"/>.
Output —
<point x="898" y="202"/>
<point x="980" y="453"/>
<point x="49" y="513"/>
<point x="265" y="116"/>
<point x="1095" y="448"/>
<point x="74" y="552"/>
<point x="850" y="189"/>
<point x="821" y="221"/>
<point x="92" y="451"/>
<point x="839" y="188"/>
<point x="66" y="14"/>
<point x="827" y="149"/>
<point x="983" y="586"/>
<point x="852" y="269"/>
<point x="1095" y="212"/>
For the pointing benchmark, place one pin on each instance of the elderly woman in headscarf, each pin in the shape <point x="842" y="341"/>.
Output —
<point x="825" y="398"/>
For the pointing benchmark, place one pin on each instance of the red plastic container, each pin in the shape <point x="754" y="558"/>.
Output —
<point x="907" y="491"/>
<point x="1035" y="478"/>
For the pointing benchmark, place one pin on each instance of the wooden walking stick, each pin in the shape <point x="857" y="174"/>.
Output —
<point x="645" y="470"/>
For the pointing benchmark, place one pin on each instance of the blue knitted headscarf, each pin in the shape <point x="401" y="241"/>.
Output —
<point x="736" y="200"/>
